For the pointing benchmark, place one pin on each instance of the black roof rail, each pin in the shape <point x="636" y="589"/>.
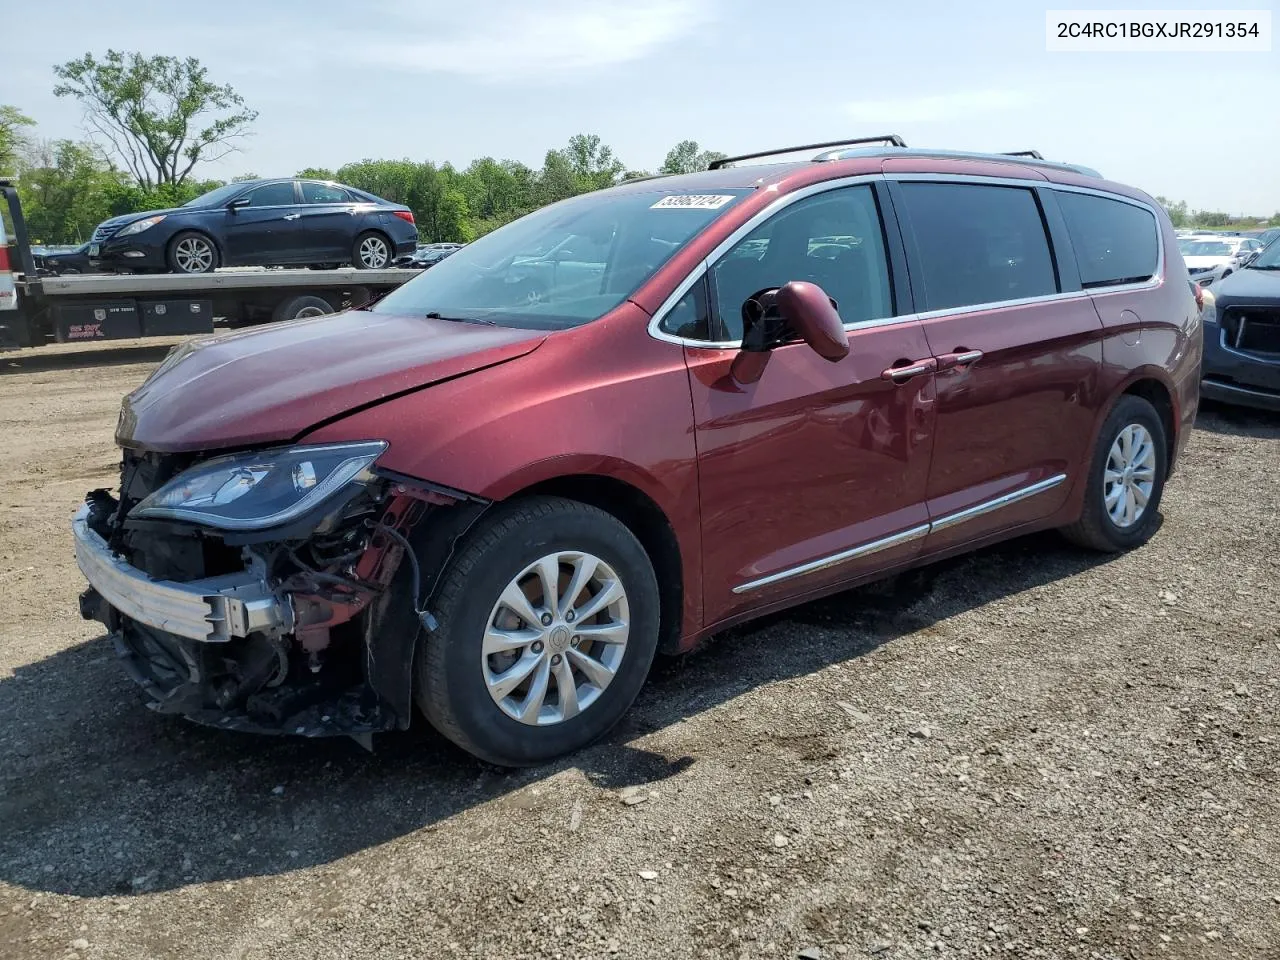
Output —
<point x="892" y="138"/>
<point x="1034" y="154"/>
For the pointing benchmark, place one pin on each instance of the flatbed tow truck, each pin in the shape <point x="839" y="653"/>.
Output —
<point x="36" y="309"/>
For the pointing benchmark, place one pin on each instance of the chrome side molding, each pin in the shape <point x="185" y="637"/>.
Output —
<point x="906" y="536"/>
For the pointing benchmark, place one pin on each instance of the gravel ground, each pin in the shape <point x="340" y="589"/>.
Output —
<point x="1029" y="752"/>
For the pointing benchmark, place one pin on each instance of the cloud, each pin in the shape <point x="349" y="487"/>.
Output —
<point x="945" y="106"/>
<point x="520" y="41"/>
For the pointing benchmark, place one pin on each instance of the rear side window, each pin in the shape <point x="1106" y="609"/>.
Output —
<point x="313" y="192"/>
<point x="1115" y="242"/>
<point x="978" y="244"/>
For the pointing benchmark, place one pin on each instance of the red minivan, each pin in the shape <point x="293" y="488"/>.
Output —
<point x="630" y="420"/>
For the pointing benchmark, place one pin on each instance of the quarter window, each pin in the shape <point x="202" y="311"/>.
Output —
<point x="272" y="195"/>
<point x="1115" y="242"/>
<point x="688" y="318"/>
<point x="834" y="239"/>
<point x="978" y="244"/>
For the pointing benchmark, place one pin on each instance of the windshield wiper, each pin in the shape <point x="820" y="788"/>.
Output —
<point x="437" y="315"/>
<point x="1263" y="266"/>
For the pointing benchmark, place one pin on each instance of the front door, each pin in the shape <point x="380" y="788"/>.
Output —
<point x="1018" y="350"/>
<point x="266" y="231"/>
<point x="816" y="473"/>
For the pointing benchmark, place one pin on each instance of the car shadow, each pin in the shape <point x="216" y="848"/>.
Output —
<point x="107" y="356"/>
<point x="1225" y="418"/>
<point x="100" y="797"/>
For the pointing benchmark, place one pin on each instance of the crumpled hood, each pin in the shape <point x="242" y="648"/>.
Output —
<point x="272" y="383"/>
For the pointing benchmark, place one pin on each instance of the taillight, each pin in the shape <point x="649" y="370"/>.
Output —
<point x="1199" y="292"/>
<point x="4" y="258"/>
<point x="405" y="215"/>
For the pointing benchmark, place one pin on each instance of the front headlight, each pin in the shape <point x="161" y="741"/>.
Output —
<point x="254" y="491"/>
<point x="146" y="223"/>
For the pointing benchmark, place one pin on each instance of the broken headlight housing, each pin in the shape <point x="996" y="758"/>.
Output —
<point x="255" y="491"/>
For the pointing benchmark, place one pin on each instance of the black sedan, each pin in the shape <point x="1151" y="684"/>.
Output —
<point x="64" y="262"/>
<point x="259" y="223"/>
<point x="1242" y="335"/>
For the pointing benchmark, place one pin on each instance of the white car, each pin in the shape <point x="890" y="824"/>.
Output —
<point x="1211" y="258"/>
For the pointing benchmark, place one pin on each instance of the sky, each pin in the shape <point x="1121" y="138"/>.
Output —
<point x="452" y="80"/>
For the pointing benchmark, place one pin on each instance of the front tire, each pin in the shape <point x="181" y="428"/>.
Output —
<point x="1126" y="480"/>
<point x="192" y="252"/>
<point x="547" y="626"/>
<point x="372" y="251"/>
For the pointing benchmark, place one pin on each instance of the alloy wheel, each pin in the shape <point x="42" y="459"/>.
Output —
<point x="555" y="638"/>
<point x="374" y="253"/>
<point x="1130" y="475"/>
<point x="193" y="255"/>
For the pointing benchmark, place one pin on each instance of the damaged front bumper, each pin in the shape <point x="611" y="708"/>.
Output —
<point x="213" y="610"/>
<point x="308" y="630"/>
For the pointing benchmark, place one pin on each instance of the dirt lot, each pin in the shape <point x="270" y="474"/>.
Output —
<point x="1028" y="752"/>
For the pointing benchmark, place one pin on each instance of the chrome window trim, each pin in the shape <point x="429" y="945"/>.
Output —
<point x="729" y="242"/>
<point x="906" y="536"/>
<point x="784" y="201"/>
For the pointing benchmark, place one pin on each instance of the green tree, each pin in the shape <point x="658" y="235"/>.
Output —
<point x="687" y="157"/>
<point x="557" y="181"/>
<point x="1177" y="211"/>
<point x="315" y="173"/>
<point x="66" y="191"/>
<point x="593" y="162"/>
<point x="12" y="139"/>
<point x="1208" y="218"/>
<point x="160" y="115"/>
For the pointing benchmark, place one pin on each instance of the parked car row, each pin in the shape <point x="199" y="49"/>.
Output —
<point x="1210" y="256"/>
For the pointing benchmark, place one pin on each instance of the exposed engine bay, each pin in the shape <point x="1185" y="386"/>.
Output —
<point x="339" y="602"/>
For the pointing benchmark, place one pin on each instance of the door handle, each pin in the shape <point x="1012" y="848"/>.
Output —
<point x="960" y="358"/>
<point x="905" y="373"/>
<point x="292" y="216"/>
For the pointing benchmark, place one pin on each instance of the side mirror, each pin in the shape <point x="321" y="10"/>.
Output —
<point x="238" y="203"/>
<point x="772" y="318"/>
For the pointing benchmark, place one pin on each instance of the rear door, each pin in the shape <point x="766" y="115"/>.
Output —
<point x="266" y="231"/>
<point x="328" y="212"/>
<point x="1018" y="351"/>
<point x="816" y="473"/>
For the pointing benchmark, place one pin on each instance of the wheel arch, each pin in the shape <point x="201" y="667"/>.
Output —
<point x="1158" y="393"/>
<point x="640" y="514"/>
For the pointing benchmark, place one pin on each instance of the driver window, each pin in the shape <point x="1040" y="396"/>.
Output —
<point x="833" y="239"/>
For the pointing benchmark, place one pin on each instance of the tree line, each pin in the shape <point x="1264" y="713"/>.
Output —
<point x="152" y="121"/>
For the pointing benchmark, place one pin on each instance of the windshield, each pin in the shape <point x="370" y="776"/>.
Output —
<point x="1268" y="259"/>
<point x="563" y="265"/>
<point x="1207" y="248"/>
<point x="216" y="196"/>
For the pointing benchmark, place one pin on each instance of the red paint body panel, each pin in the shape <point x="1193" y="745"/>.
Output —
<point x="605" y="399"/>
<point x="1020" y="414"/>
<point x="815" y="458"/>
<point x="272" y="383"/>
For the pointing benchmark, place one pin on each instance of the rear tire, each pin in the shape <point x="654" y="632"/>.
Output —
<point x="576" y="685"/>
<point x="300" y="307"/>
<point x="192" y="252"/>
<point x="371" y="251"/>
<point x="1129" y="463"/>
